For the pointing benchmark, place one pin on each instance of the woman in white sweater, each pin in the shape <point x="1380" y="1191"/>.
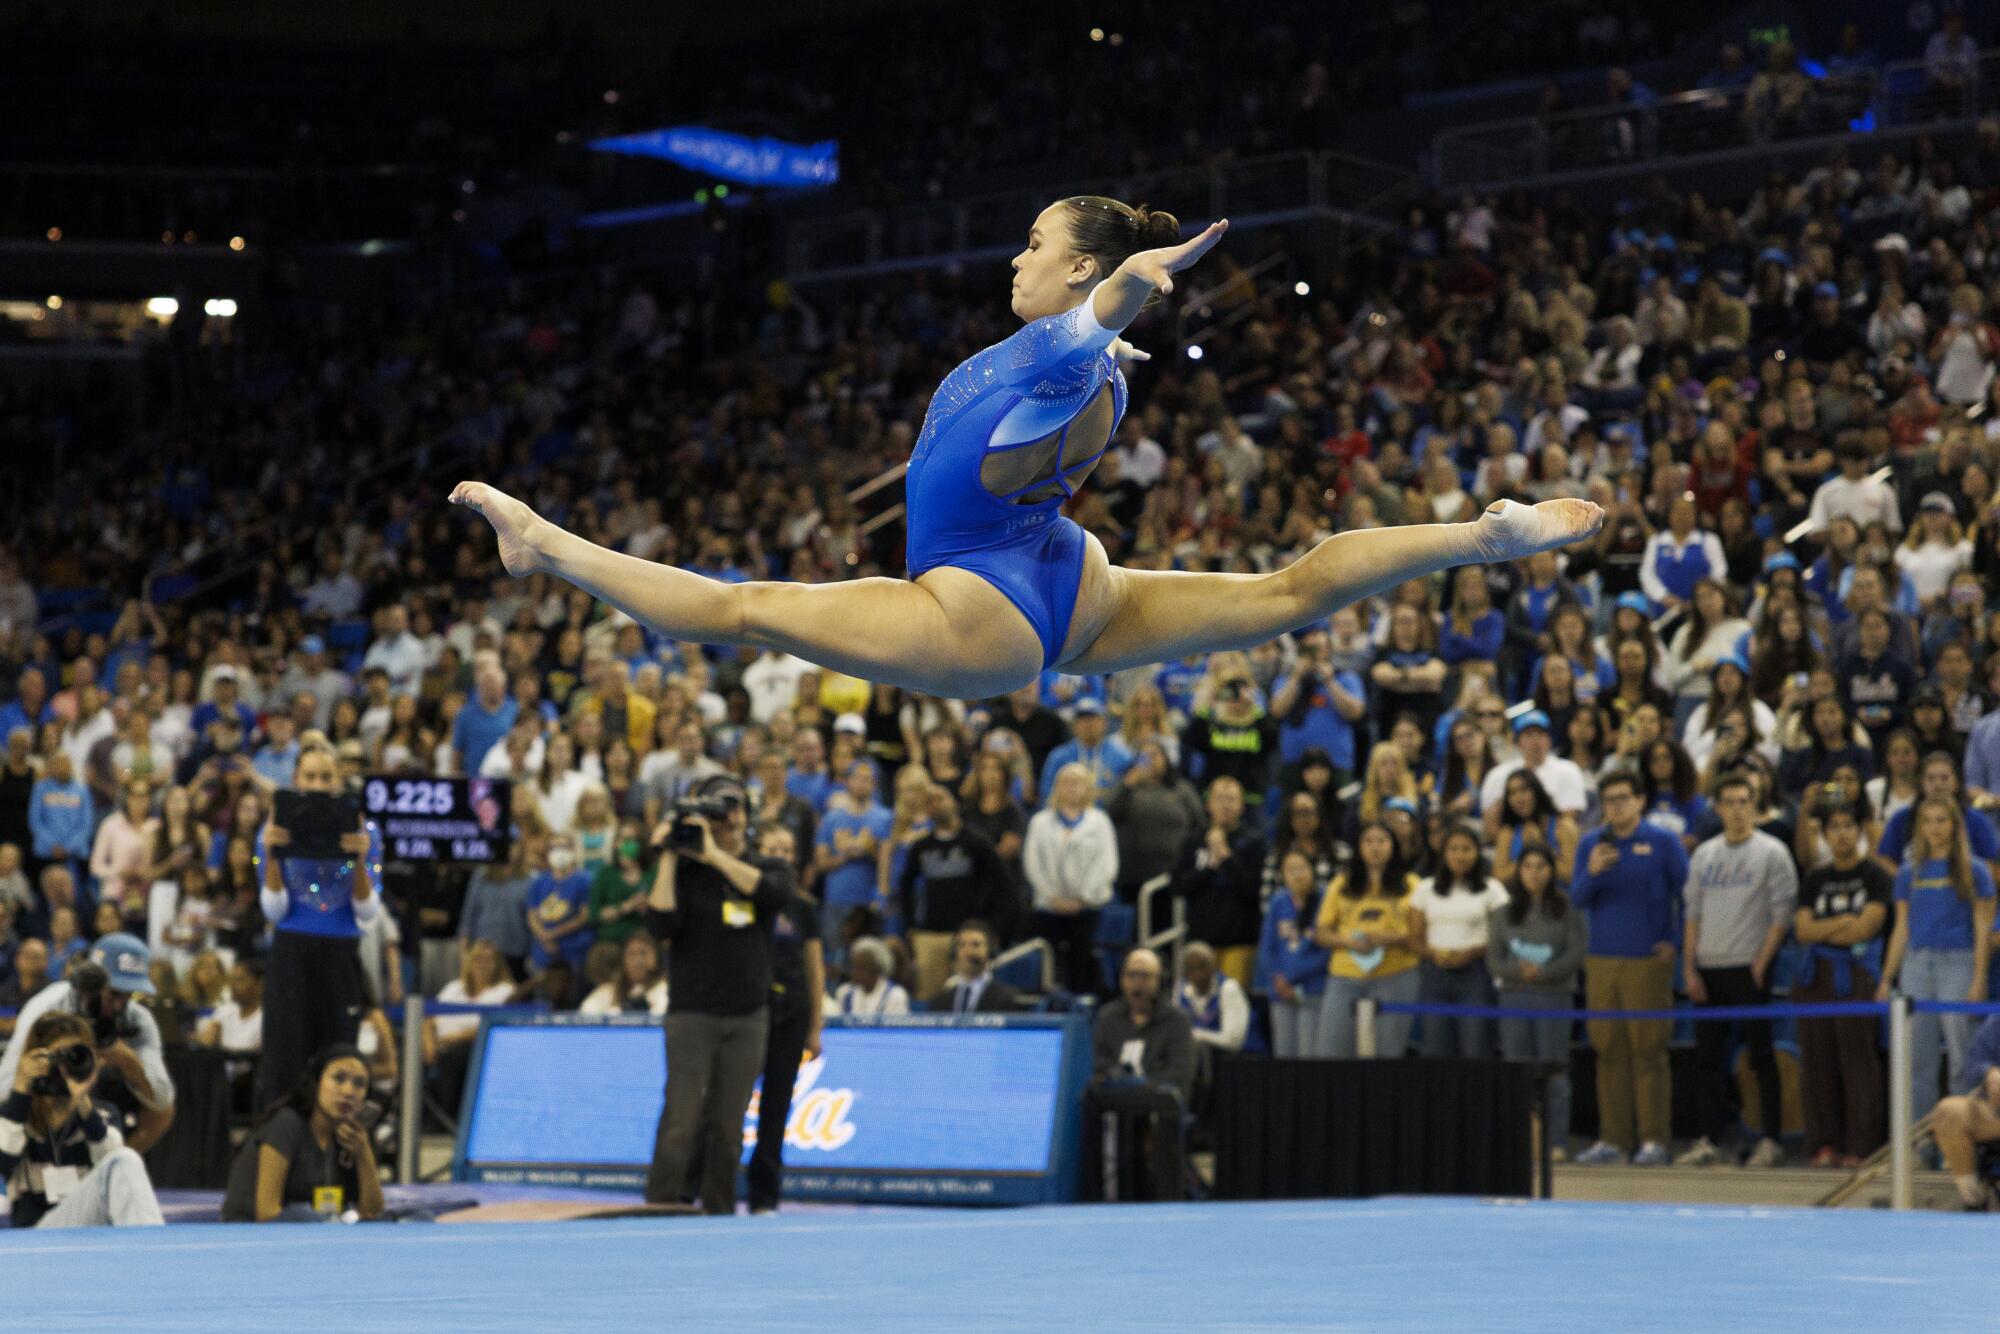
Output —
<point x="1071" y="860"/>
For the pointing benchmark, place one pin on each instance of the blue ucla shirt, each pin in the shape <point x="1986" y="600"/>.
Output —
<point x="852" y="882"/>
<point x="1634" y="905"/>
<point x="1939" y="918"/>
<point x="320" y="890"/>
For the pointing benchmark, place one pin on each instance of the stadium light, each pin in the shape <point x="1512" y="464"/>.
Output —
<point x="236" y="243"/>
<point x="54" y="303"/>
<point x="221" y="307"/>
<point x="1097" y="34"/>
<point x="611" y="97"/>
<point x="163" y="307"/>
<point x="1194" y="351"/>
<point x="1302" y="287"/>
<point x="54" y="233"/>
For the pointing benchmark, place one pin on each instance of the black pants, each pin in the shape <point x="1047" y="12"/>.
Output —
<point x="312" y="999"/>
<point x="783" y="1050"/>
<point x="1073" y="936"/>
<point x="1715" y="1088"/>
<point x="712" y="1064"/>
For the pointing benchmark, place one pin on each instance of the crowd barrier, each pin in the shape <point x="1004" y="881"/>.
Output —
<point x="1898" y="1011"/>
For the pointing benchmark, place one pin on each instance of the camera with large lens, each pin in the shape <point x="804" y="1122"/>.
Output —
<point x="685" y="835"/>
<point x="74" y="1063"/>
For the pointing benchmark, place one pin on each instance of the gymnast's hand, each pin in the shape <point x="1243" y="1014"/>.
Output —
<point x="1157" y="268"/>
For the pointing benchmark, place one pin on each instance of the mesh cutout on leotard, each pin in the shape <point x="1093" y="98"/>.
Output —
<point x="1055" y="464"/>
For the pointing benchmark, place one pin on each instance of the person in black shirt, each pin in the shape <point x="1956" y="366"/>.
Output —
<point x="1041" y="729"/>
<point x="718" y="905"/>
<point x="798" y="984"/>
<point x="309" y="1157"/>
<point x="951" y="874"/>
<point x="1843" y="909"/>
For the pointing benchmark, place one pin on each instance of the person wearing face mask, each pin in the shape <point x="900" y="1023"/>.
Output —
<point x="559" y="912"/>
<point x="618" y="888"/>
<point x="318" y="906"/>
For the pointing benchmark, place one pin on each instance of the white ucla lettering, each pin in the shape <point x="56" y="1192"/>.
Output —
<point x="818" y="1119"/>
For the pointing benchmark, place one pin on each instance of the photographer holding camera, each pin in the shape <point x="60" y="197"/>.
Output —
<point x="126" y="1036"/>
<point x="65" y="1163"/>
<point x="717" y="902"/>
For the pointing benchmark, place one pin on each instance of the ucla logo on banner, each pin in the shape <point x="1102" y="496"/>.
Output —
<point x="819" y="1115"/>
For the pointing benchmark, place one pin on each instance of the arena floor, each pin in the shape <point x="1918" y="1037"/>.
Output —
<point x="1380" y="1265"/>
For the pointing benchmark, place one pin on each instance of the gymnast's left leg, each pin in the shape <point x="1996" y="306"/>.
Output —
<point x="1145" y="616"/>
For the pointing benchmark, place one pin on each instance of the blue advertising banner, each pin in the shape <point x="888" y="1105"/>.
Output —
<point x="733" y="157"/>
<point x="933" y="1108"/>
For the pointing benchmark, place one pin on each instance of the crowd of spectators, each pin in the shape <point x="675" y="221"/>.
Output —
<point x="1741" y="742"/>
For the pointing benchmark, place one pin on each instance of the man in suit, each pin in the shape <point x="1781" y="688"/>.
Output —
<point x="972" y="989"/>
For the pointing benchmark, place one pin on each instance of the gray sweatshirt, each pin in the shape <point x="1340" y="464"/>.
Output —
<point x="1739" y="891"/>
<point x="1555" y="945"/>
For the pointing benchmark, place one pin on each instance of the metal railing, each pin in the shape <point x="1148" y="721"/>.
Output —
<point x="1706" y="120"/>
<point x="1276" y="187"/>
<point x="1022" y="951"/>
<point x="1170" y="939"/>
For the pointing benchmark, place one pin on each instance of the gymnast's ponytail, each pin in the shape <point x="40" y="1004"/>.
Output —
<point x="1111" y="231"/>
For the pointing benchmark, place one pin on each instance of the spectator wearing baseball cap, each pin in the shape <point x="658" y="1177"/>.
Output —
<point x="1562" y="779"/>
<point x="309" y="672"/>
<point x="128" y="1038"/>
<point x="1092" y="746"/>
<point x="1828" y="335"/>
<point x="1936" y="549"/>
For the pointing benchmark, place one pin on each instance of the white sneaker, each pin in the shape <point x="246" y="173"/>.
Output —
<point x="1768" y="1153"/>
<point x="1601" y="1154"/>
<point x="1701" y="1153"/>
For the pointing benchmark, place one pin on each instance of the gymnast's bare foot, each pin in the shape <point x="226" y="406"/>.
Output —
<point x="1509" y="530"/>
<point x="521" y="531"/>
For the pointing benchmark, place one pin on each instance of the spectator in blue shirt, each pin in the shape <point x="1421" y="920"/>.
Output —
<point x="1629" y="879"/>
<point x="850" y="833"/>
<point x="559" y="911"/>
<point x="1937" y="778"/>
<point x="1982" y="759"/>
<point x="810" y="780"/>
<point x="279" y="755"/>
<point x="61" y="816"/>
<point x="1941" y="942"/>
<point x="1317" y="706"/>
<point x="225" y="704"/>
<point x="486" y="717"/>
<point x="1177" y="681"/>
<point x="1475" y="631"/>
<point x="1292" y="965"/>
<point x="30" y="706"/>
<point x="1064" y="693"/>
<point x="1089" y="745"/>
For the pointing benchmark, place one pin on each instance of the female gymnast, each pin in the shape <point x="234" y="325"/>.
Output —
<point x="1001" y="584"/>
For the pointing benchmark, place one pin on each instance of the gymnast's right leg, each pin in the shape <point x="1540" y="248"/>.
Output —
<point x="952" y="635"/>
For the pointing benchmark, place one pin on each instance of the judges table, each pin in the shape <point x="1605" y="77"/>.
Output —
<point x="1300" y="1129"/>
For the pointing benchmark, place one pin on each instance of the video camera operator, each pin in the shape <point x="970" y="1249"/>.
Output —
<point x="65" y="1162"/>
<point x="127" y="1037"/>
<point x="718" y="903"/>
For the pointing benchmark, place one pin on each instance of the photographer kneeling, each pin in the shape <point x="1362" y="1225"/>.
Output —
<point x="717" y="903"/>
<point x="309" y="1158"/>
<point x="126" y="1036"/>
<point x="65" y="1162"/>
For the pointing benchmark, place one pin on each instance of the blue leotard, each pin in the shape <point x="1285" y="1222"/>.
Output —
<point x="1009" y="436"/>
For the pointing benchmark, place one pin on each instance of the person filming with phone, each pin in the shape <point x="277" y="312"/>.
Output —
<point x="65" y="1162"/>
<point x="320" y="875"/>
<point x="717" y="902"/>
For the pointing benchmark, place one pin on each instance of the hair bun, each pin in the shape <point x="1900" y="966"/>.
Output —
<point x="1157" y="229"/>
